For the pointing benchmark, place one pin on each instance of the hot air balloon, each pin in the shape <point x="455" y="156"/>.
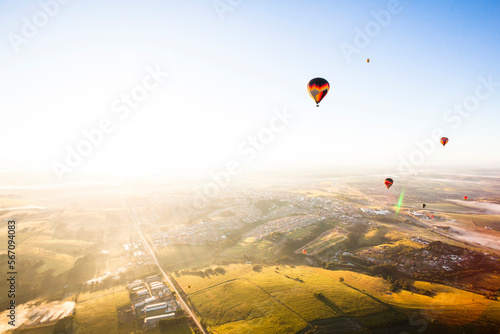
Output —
<point x="368" y="60"/>
<point x="465" y="198"/>
<point x="444" y="140"/>
<point x="432" y="216"/>
<point x="388" y="182"/>
<point x="423" y="206"/>
<point x="318" y="88"/>
<point x="304" y="251"/>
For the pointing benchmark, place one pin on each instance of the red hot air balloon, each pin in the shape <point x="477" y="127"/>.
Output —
<point x="444" y="140"/>
<point x="304" y="251"/>
<point x="388" y="182"/>
<point x="465" y="198"/>
<point x="318" y="88"/>
<point x="432" y="216"/>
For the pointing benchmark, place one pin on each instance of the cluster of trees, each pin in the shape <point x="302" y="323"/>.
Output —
<point x="398" y="284"/>
<point x="64" y="325"/>
<point x="169" y="323"/>
<point x="385" y="270"/>
<point x="390" y="273"/>
<point x="442" y="248"/>
<point x="395" y="252"/>
<point x="319" y="296"/>
<point x="327" y="265"/>
<point x="355" y="259"/>
<point x="257" y="268"/>
<point x="295" y="279"/>
<point x="356" y="231"/>
<point x="206" y="273"/>
<point x="492" y="296"/>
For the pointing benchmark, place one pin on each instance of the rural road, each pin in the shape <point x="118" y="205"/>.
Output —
<point x="182" y="302"/>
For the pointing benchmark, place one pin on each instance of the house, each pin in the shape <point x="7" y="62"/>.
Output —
<point x="153" y="307"/>
<point x="142" y="292"/>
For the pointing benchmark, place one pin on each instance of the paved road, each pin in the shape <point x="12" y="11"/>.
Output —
<point x="182" y="302"/>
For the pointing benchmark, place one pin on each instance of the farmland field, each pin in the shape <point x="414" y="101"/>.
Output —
<point x="284" y="296"/>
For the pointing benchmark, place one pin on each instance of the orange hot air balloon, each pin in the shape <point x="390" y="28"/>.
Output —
<point x="318" y="88"/>
<point x="444" y="140"/>
<point x="465" y="197"/>
<point x="304" y="251"/>
<point x="368" y="60"/>
<point x="388" y="182"/>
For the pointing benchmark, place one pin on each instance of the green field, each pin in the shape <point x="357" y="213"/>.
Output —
<point x="325" y="240"/>
<point x="182" y="256"/>
<point x="287" y="304"/>
<point x="97" y="312"/>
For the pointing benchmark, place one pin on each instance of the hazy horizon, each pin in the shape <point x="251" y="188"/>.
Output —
<point x="174" y="87"/>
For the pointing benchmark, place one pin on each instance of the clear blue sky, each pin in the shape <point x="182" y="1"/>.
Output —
<point x="227" y="75"/>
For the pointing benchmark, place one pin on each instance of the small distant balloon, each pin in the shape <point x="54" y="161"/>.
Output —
<point x="444" y="140"/>
<point x="368" y="60"/>
<point x="318" y="88"/>
<point x="432" y="216"/>
<point x="304" y="251"/>
<point x="189" y="286"/>
<point x="388" y="182"/>
<point x="465" y="197"/>
<point x="423" y="206"/>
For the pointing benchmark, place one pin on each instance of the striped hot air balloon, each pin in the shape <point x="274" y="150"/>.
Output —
<point x="388" y="182"/>
<point x="318" y="88"/>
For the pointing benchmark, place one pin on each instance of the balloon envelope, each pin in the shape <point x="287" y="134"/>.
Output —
<point x="368" y="60"/>
<point x="465" y="197"/>
<point x="444" y="140"/>
<point x="388" y="182"/>
<point x="318" y="88"/>
<point x="304" y="251"/>
<point x="423" y="206"/>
